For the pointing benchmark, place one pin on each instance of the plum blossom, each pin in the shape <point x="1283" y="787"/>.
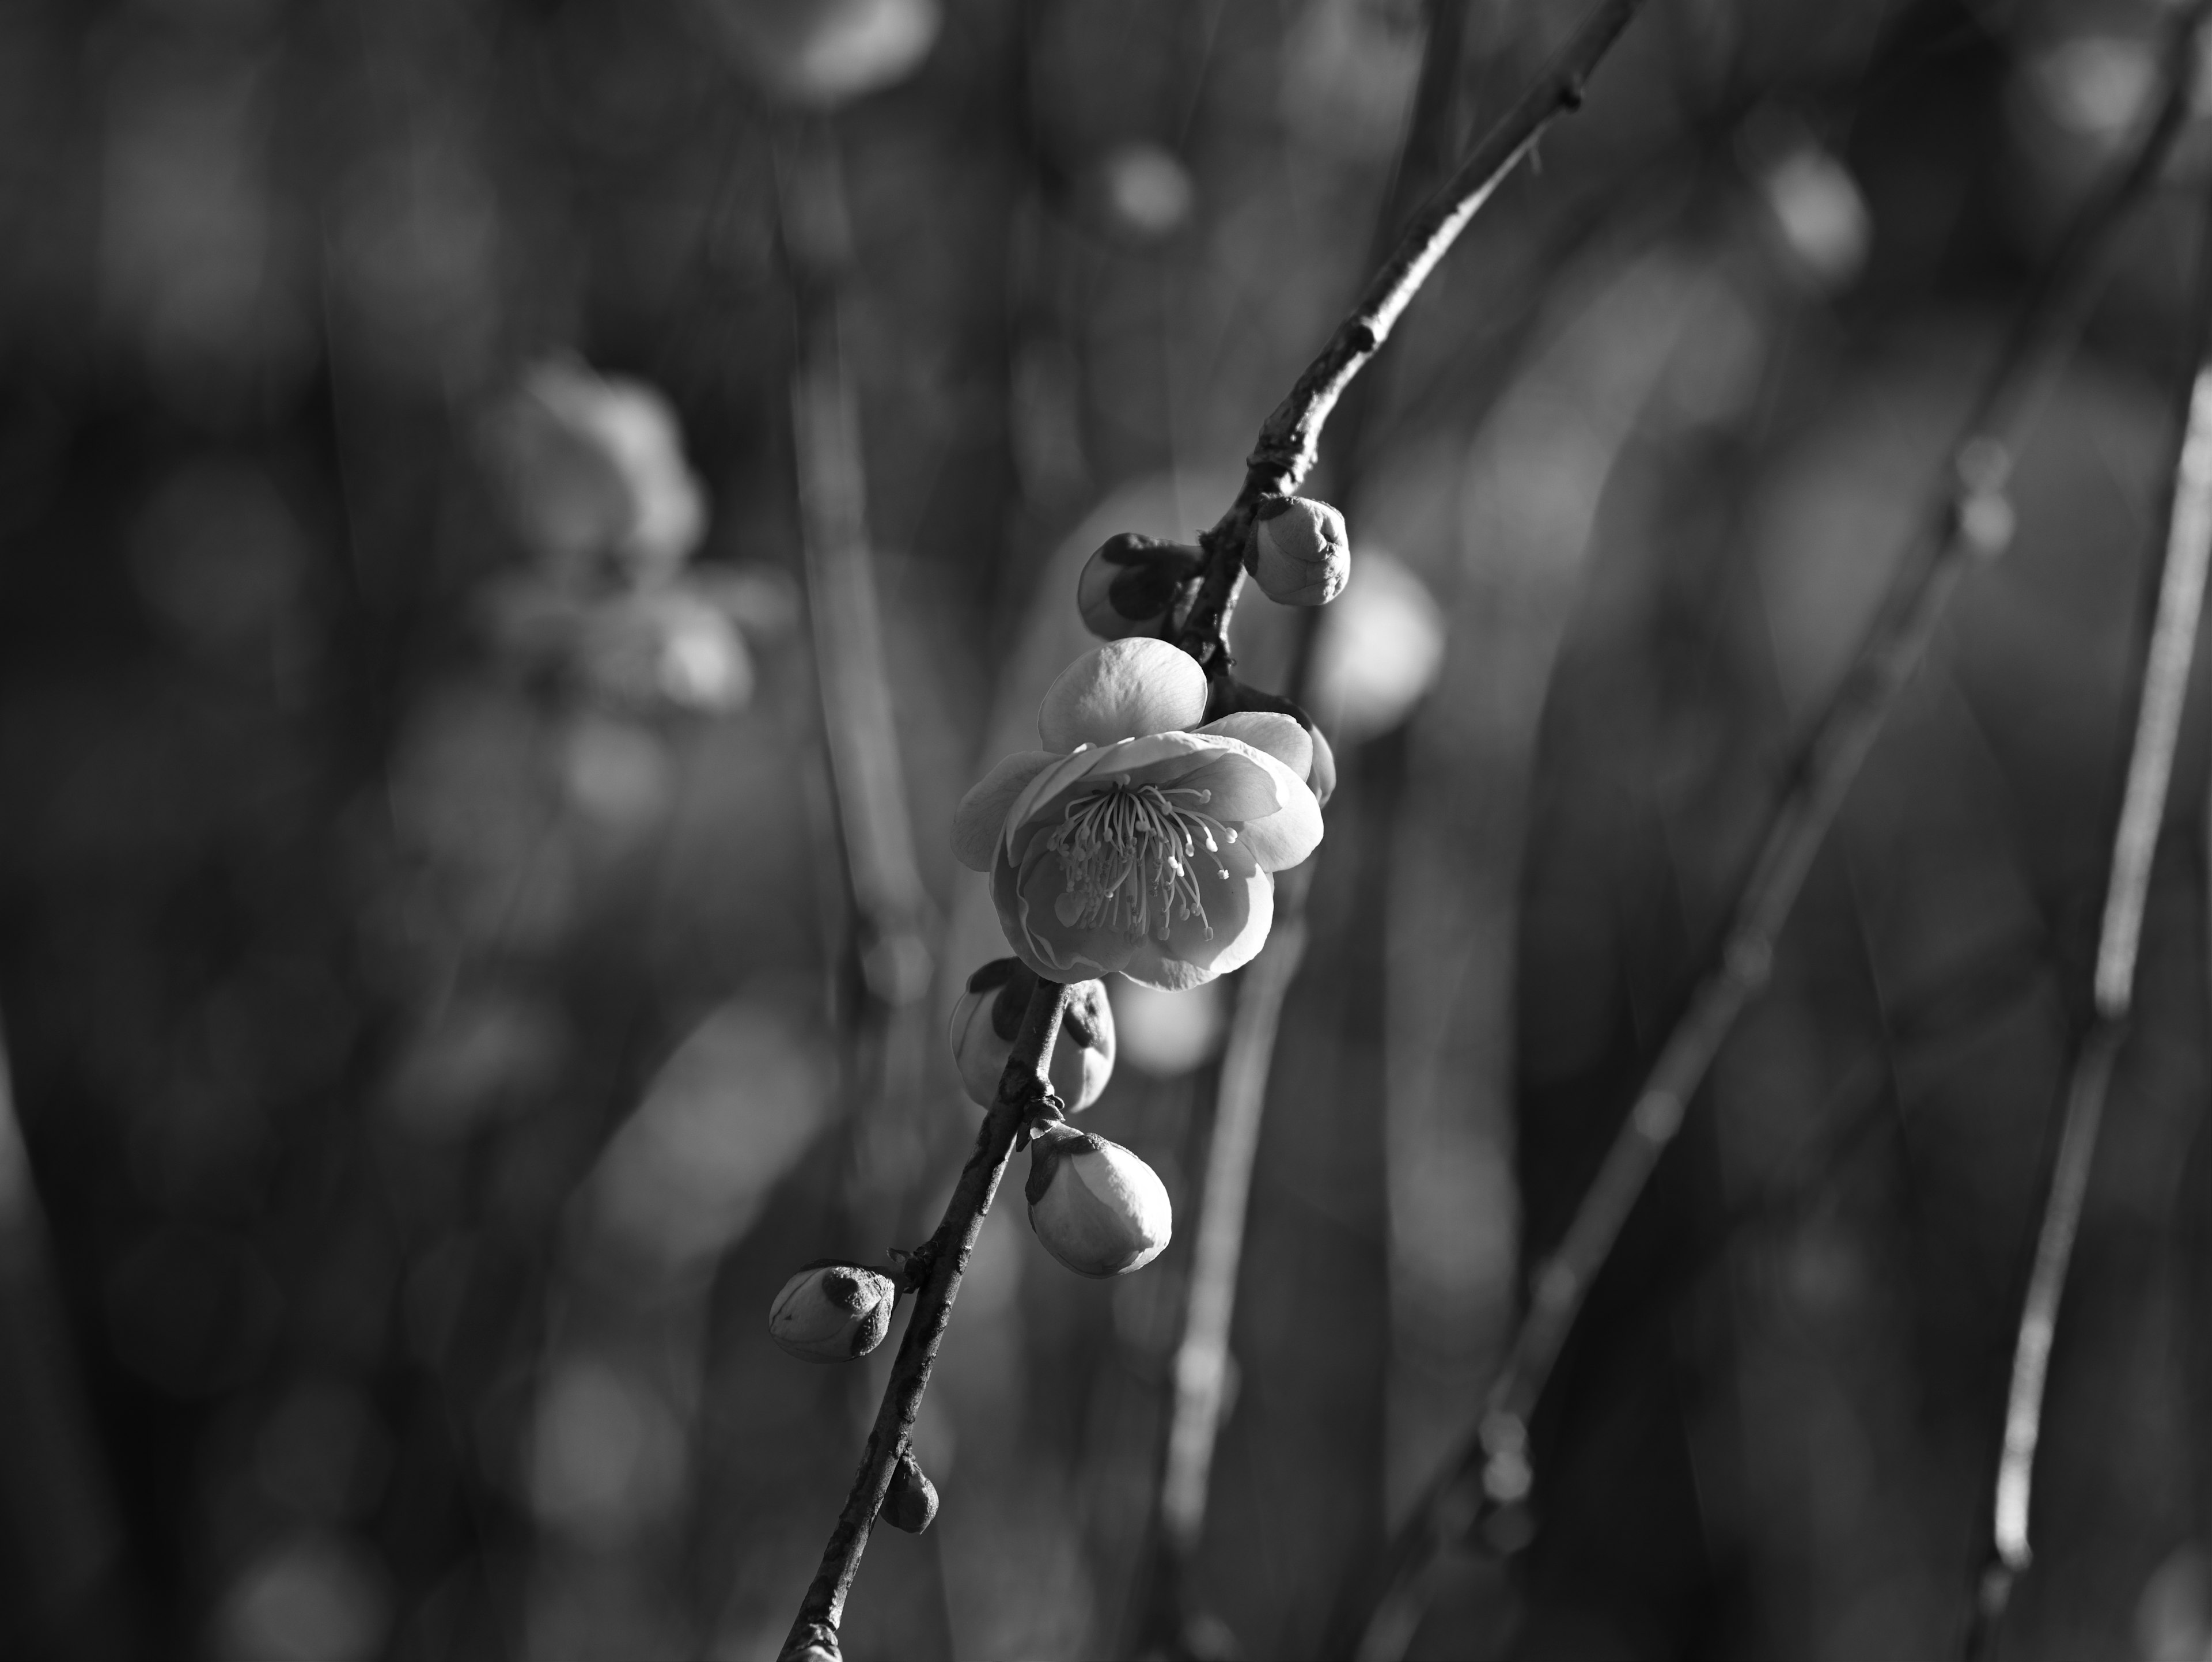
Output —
<point x="1137" y="842"/>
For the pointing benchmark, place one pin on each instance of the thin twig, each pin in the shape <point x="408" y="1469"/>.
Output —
<point x="1971" y="521"/>
<point x="1025" y="1092"/>
<point x="2158" y="701"/>
<point x="858" y="726"/>
<point x="1201" y="1360"/>
<point x="1289" y="438"/>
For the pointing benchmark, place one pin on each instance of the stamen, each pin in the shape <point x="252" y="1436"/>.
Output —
<point x="1128" y="854"/>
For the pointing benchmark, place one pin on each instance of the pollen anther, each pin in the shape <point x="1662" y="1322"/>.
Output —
<point x="1129" y="852"/>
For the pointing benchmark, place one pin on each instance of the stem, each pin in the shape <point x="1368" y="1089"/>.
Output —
<point x="859" y="728"/>
<point x="1291" y="437"/>
<point x="1024" y="1091"/>
<point x="1971" y="520"/>
<point x="2159" y="700"/>
<point x="1202" y="1357"/>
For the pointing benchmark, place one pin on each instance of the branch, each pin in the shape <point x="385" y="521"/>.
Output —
<point x="1971" y="520"/>
<point x="1285" y="455"/>
<point x="859" y="730"/>
<point x="1025" y="1093"/>
<point x="1291" y="437"/>
<point x="2158" y="699"/>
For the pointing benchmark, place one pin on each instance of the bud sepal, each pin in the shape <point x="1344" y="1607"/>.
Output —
<point x="910" y="1502"/>
<point x="1131" y="584"/>
<point x="832" y="1312"/>
<point x="987" y="1018"/>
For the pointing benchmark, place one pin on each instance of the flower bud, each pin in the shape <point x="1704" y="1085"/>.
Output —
<point x="1130" y="585"/>
<point x="1301" y="553"/>
<point x="987" y="1018"/>
<point x="910" y="1503"/>
<point x="1124" y="690"/>
<point x="1098" y="1207"/>
<point x="831" y="1311"/>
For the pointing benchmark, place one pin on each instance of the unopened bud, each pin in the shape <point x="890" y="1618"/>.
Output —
<point x="1098" y="1207"/>
<point x="988" y="1019"/>
<point x="910" y="1503"/>
<point x="1129" y="585"/>
<point x="831" y="1311"/>
<point x="1301" y="553"/>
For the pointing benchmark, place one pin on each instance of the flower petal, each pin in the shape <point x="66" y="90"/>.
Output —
<point x="1280" y="736"/>
<point x="980" y="819"/>
<point x="1025" y="895"/>
<point x="1123" y="690"/>
<point x="1040" y="804"/>
<point x="1279" y="834"/>
<point x="1240" y="910"/>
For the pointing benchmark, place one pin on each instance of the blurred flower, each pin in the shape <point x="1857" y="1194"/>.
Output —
<point x="2173" y="1614"/>
<point x="1097" y="1208"/>
<point x="728" y="1114"/>
<point x="1380" y="646"/>
<point x="1147" y="850"/>
<point x="1166" y="1034"/>
<point x="417" y="252"/>
<point x="831" y="1311"/>
<point x="605" y="1456"/>
<point x="2096" y="85"/>
<point x="1821" y="213"/>
<point x="666" y="646"/>
<point x="987" y="1018"/>
<point x="590" y="468"/>
<point x="193" y="245"/>
<point x="616" y="772"/>
<point x="1148" y="191"/>
<point x="826" y="52"/>
<point x="310" y="1598"/>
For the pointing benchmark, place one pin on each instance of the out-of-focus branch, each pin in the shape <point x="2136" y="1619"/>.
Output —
<point x="1200" y="1373"/>
<point x="2158" y="699"/>
<point x="859" y="730"/>
<point x="60" y="1517"/>
<point x="934" y="1269"/>
<point x="1290" y="439"/>
<point x="1970" y="522"/>
<point x="1201" y="1370"/>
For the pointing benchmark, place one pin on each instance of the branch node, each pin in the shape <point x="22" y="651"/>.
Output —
<point x="910" y="1267"/>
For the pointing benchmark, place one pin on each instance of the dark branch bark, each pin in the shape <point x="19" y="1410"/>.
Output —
<point x="1024" y="1091"/>
<point x="1290" y="439"/>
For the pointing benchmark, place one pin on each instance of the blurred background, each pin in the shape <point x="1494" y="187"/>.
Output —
<point x="523" y="517"/>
